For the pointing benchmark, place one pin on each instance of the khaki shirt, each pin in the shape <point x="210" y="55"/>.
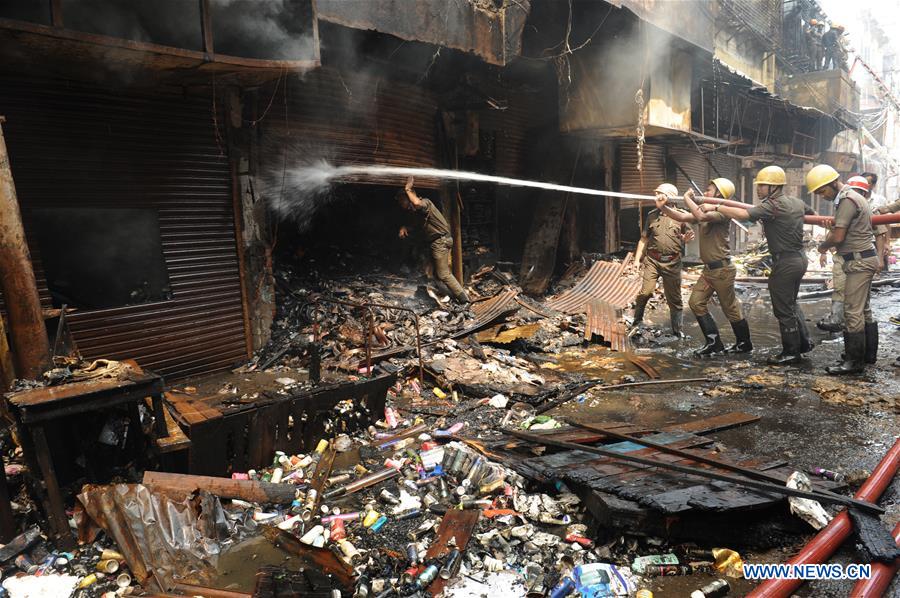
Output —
<point x="854" y="214"/>
<point x="663" y="233"/>
<point x="890" y="208"/>
<point x="714" y="238"/>
<point x="434" y="223"/>
<point x="782" y="220"/>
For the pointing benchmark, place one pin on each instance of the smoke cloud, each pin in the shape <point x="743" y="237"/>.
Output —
<point x="270" y="29"/>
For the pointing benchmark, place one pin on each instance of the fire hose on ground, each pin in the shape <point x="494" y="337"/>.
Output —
<point x="827" y="541"/>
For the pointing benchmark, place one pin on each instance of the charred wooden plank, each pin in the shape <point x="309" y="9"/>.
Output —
<point x="325" y="559"/>
<point x="757" y="485"/>
<point x="716" y="423"/>
<point x="181" y="485"/>
<point x="457" y="524"/>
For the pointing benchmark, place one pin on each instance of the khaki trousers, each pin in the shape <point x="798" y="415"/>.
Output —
<point x="838" y="278"/>
<point x="859" y="275"/>
<point x="440" y="255"/>
<point x="721" y="282"/>
<point x="652" y="270"/>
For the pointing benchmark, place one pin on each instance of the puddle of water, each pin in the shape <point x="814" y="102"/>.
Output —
<point x="238" y="565"/>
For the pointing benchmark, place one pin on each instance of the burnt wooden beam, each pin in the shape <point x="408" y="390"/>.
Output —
<point x="183" y="484"/>
<point x="663" y="448"/>
<point x="703" y="473"/>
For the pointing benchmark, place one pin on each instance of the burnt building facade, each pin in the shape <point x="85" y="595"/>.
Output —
<point x="147" y="156"/>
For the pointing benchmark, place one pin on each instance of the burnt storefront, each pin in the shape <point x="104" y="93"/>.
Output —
<point x="129" y="213"/>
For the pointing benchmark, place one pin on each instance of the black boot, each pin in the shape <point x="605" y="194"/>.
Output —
<point x="790" y="351"/>
<point x="854" y="355"/>
<point x="640" y="304"/>
<point x="710" y="335"/>
<point x="835" y="321"/>
<point x="742" y="337"/>
<point x="871" y="342"/>
<point x="676" y="317"/>
<point x="806" y="344"/>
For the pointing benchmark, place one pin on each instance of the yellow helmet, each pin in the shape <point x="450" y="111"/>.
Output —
<point x="770" y="175"/>
<point x="667" y="189"/>
<point x="819" y="176"/>
<point x="725" y="187"/>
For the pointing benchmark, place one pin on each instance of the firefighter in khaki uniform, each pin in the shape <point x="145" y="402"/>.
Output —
<point x="835" y="321"/>
<point x="718" y="271"/>
<point x="660" y="248"/>
<point x="853" y="239"/>
<point x="782" y="220"/>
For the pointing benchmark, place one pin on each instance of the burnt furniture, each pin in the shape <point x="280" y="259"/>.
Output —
<point x="228" y="438"/>
<point x="33" y="409"/>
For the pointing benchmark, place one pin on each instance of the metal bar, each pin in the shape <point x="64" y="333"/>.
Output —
<point x="239" y="245"/>
<point x="370" y="322"/>
<point x="28" y="335"/>
<point x="703" y="473"/>
<point x="592" y="383"/>
<point x="56" y="13"/>
<point x="745" y="471"/>
<point x="206" y="28"/>
<point x="419" y="348"/>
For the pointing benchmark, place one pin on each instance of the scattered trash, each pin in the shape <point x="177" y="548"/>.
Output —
<point x="808" y="510"/>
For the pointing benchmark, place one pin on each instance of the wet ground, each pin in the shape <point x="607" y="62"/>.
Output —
<point x="796" y="424"/>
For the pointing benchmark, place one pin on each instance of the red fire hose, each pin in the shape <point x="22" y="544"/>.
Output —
<point x="819" y="220"/>
<point x="882" y="574"/>
<point x="823" y="545"/>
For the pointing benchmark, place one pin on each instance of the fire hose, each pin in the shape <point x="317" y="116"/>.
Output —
<point x="827" y="541"/>
<point x="819" y="220"/>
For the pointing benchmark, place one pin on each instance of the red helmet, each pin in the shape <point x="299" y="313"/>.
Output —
<point x="859" y="183"/>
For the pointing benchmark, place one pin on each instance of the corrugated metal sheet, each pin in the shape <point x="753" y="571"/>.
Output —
<point x="604" y="320"/>
<point x="72" y="146"/>
<point x="350" y="119"/>
<point x="645" y="181"/>
<point x="603" y="281"/>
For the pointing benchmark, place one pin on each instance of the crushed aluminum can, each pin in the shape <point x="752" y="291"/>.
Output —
<point x="714" y="589"/>
<point x="565" y="587"/>
<point x="386" y="496"/>
<point x="370" y="518"/>
<point x="427" y="576"/>
<point x="451" y="565"/>
<point x="378" y="524"/>
<point x="123" y="580"/>
<point x="579" y="539"/>
<point x="411" y="514"/>
<point x="310" y="536"/>
<point x="412" y="553"/>
<point x="338" y="531"/>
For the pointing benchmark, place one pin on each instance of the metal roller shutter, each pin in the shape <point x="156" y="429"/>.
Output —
<point x="728" y="167"/>
<point x="645" y="181"/>
<point x="349" y="119"/>
<point x="693" y="164"/>
<point x="79" y="146"/>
